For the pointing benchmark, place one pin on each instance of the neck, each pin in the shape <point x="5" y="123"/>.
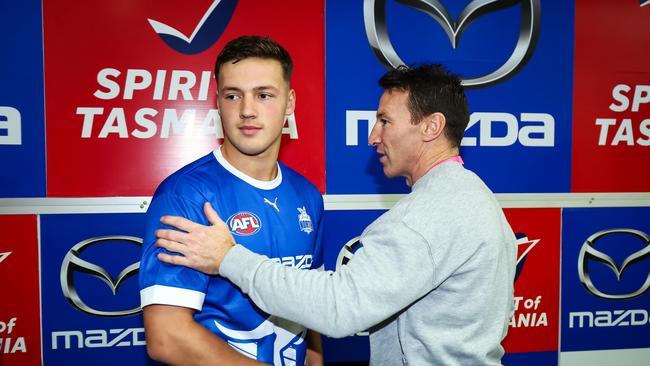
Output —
<point x="428" y="161"/>
<point x="261" y="167"/>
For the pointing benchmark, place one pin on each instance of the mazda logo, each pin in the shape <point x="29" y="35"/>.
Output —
<point x="374" y="17"/>
<point x="347" y="251"/>
<point x="588" y="252"/>
<point x="73" y="263"/>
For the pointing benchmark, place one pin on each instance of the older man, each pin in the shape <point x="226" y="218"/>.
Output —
<point x="434" y="279"/>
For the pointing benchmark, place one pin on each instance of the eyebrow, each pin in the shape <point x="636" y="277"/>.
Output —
<point x="257" y="88"/>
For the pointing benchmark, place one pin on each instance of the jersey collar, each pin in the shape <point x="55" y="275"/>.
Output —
<point x="261" y="184"/>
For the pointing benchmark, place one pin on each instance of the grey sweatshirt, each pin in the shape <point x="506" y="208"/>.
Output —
<point x="433" y="280"/>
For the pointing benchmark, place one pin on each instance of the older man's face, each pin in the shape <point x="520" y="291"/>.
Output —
<point x="397" y="140"/>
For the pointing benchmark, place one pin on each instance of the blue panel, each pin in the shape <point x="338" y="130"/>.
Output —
<point x="345" y="351"/>
<point x="343" y="226"/>
<point x="543" y="86"/>
<point x="531" y="359"/>
<point x="22" y="127"/>
<point x="107" y="339"/>
<point x="599" y="310"/>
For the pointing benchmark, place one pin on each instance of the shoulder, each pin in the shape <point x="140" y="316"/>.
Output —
<point x="189" y="179"/>
<point x="453" y="206"/>
<point x="450" y="194"/>
<point x="454" y="184"/>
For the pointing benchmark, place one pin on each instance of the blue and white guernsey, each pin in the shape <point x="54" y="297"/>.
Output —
<point x="280" y="219"/>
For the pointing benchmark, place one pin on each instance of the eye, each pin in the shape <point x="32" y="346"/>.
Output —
<point x="231" y="97"/>
<point x="265" y="96"/>
<point x="383" y="121"/>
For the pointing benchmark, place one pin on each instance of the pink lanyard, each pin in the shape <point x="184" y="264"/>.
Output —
<point x="456" y="159"/>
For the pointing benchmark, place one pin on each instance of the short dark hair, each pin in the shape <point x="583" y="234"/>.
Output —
<point x="432" y="88"/>
<point x="255" y="46"/>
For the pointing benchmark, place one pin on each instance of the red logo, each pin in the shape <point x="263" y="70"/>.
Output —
<point x="610" y="112"/>
<point x="244" y="223"/>
<point x="534" y="324"/>
<point x="4" y="255"/>
<point x="20" y="319"/>
<point x="149" y="109"/>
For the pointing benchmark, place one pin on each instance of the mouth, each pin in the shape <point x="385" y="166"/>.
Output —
<point x="382" y="156"/>
<point x="249" y="130"/>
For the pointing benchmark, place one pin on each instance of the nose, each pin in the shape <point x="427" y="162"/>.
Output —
<point x="247" y="108"/>
<point x="374" y="138"/>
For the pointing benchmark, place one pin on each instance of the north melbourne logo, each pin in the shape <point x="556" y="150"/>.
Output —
<point x="205" y="34"/>
<point x="304" y="220"/>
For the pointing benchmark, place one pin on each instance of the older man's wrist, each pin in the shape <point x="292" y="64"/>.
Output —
<point x="229" y="261"/>
<point x="239" y="265"/>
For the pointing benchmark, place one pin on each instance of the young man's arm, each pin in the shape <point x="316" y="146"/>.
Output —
<point x="175" y="338"/>
<point x="171" y="296"/>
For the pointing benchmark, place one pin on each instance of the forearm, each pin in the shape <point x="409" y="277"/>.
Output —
<point x="177" y="340"/>
<point x="195" y="345"/>
<point x="376" y="284"/>
<point x="314" y="349"/>
<point x="313" y="303"/>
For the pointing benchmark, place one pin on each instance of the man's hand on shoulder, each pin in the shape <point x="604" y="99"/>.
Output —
<point x="200" y="247"/>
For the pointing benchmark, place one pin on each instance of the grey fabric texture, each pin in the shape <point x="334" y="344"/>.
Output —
<point x="433" y="280"/>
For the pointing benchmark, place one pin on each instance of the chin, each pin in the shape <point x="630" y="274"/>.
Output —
<point x="389" y="174"/>
<point x="257" y="145"/>
<point x="252" y="151"/>
<point x="256" y="148"/>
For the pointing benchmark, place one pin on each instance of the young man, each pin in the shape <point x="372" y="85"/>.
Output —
<point x="434" y="279"/>
<point x="195" y="319"/>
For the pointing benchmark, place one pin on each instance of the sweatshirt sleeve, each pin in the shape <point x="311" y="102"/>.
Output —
<point x="392" y="269"/>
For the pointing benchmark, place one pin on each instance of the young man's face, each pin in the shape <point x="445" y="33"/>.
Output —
<point x="254" y="100"/>
<point x="397" y="140"/>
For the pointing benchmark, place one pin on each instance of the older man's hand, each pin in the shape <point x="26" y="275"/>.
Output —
<point x="200" y="247"/>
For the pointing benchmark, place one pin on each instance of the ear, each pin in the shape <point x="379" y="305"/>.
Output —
<point x="433" y="126"/>
<point x="291" y="103"/>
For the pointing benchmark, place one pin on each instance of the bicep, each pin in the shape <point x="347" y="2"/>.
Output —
<point x="161" y="282"/>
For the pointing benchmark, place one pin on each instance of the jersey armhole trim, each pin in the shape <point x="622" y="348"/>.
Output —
<point x="167" y="295"/>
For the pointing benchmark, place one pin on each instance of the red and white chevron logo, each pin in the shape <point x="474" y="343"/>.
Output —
<point x="3" y="256"/>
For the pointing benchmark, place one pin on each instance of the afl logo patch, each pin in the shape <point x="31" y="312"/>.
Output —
<point x="244" y="223"/>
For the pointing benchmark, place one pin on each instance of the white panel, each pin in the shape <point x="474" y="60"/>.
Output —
<point x="618" y="357"/>
<point x="18" y="206"/>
